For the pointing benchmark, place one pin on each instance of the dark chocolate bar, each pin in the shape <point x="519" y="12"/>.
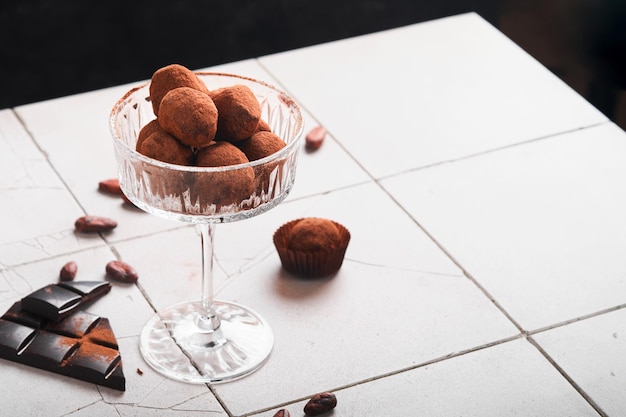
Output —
<point x="81" y="345"/>
<point x="57" y="301"/>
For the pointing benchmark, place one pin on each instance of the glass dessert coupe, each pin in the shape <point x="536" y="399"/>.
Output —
<point x="206" y="340"/>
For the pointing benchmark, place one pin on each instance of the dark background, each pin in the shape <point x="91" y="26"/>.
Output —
<point x="55" y="48"/>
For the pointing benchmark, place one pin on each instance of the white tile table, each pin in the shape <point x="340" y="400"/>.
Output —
<point x="485" y="274"/>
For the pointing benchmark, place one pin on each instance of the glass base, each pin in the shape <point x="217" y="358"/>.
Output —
<point x="180" y="344"/>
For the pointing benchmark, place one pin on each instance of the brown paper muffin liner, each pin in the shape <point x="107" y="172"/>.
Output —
<point x="310" y="264"/>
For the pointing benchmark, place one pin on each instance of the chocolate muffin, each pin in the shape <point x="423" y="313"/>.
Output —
<point x="226" y="187"/>
<point x="313" y="234"/>
<point x="239" y="112"/>
<point x="170" y="77"/>
<point x="190" y="116"/>
<point x="311" y="247"/>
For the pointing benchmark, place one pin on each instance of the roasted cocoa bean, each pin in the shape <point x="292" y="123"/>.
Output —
<point x="282" y="413"/>
<point x="315" y="138"/>
<point x="121" y="271"/>
<point x="320" y="403"/>
<point x="68" y="271"/>
<point x="110" y="186"/>
<point x="126" y="200"/>
<point x="94" y="224"/>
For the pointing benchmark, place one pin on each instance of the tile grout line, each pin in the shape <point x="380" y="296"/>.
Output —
<point x="493" y="150"/>
<point x="355" y="160"/>
<point x="105" y="241"/>
<point x="58" y="174"/>
<point x="523" y="333"/>
<point x="568" y="378"/>
<point x="109" y="245"/>
<point x="396" y="372"/>
<point x="576" y="319"/>
<point x="434" y="164"/>
<point x="47" y="157"/>
<point x="456" y="262"/>
<point x="526" y="335"/>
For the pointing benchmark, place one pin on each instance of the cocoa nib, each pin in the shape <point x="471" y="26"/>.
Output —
<point x="68" y="271"/>
<point x="94" y="224"/>
<point x="110" y="186"/>
<point x="121" y="271"/>
<point x="320" y="403"/>
<point x="315" y="138"/>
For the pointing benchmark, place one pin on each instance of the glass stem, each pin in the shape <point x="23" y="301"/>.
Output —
<point x="209" y="320"/>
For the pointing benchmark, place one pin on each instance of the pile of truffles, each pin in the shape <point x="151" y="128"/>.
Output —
<point x="195" y="126"/>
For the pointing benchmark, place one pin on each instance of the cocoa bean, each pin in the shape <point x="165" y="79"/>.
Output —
<point x="282" y="413"/>
<point x="110" y="186"/>
<point x="68" y="271"/>
<point x="320" y="403"/>
<point x="121" y="271"/>
<point x="94" y="224"/>
<point x="315" y="138"/>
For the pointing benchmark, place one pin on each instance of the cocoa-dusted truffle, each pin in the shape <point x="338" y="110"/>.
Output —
<point x="262" y="127"/>
<point x="164" y="147"/>
<point x="220" y="154"/>
<point x="226" y="187"/>
<point x="170" y="77"/>
<point x="189" y="115"/>
<point x="239" y="112"/>
<point x="261" y="144"/>
<point x="311" y="247"/>
<point x="146" y="131"/>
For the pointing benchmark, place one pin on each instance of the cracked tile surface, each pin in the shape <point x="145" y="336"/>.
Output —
<point x="477" y="197"/>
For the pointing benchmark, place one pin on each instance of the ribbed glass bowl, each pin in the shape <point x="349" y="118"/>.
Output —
<point x="205" y="340"/>
<point x="178" y="192"/>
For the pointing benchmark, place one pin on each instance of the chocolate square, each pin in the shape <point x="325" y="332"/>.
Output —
<point x="55" y="301"/>
<point x="81" y="345"/>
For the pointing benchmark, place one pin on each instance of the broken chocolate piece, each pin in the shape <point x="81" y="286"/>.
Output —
<point x="81" y="346"/>
<point x="55" y="301"/>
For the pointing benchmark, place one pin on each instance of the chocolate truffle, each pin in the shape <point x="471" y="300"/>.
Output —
<point x="146" y="131"/>
<point x="226" y="187"/>
<point x="166" y="148"/>
<point x="262" y="127"/>
<point x="239" y="112"/>
<point x="311" y="247"/>
<point x="171" y="77"/>
<point x="261" y="144"/>
<point x="162" y="146"/>
<point x="190" y="116"/>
